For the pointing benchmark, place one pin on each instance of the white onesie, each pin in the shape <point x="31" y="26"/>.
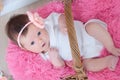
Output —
<point x="89" y="46"/>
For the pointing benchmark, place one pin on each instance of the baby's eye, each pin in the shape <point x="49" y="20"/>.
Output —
<point x="32" y="43"/>
<point x="38" y="33"/>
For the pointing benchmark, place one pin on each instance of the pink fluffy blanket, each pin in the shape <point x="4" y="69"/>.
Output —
<point x="24" y="65"/>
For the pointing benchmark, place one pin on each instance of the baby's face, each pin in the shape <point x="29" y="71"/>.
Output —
<point x="36" y="39"/>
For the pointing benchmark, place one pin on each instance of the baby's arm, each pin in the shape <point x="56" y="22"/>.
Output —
<point x="55" y="58"/>
<point x="62" y="24"/>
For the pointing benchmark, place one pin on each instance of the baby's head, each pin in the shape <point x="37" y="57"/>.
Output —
<point x="15" y="24"/>
<point x="28" y="34"/>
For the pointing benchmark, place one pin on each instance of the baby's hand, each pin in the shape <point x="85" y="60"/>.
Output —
<point x="62" y="24"/>
<point x="53" y="53"/>
<point x="55" y="58"/>
<point x="63" y="28"/>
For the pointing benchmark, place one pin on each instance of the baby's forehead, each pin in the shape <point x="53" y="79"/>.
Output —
<point x="32" y="26"/>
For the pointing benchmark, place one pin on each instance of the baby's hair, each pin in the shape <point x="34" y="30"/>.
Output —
<point x="15" y="24"/>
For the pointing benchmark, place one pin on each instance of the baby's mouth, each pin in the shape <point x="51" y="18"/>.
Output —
<point x="43" y="44"/>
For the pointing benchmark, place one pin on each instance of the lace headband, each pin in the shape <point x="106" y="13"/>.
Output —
<point x="36" y="20"/>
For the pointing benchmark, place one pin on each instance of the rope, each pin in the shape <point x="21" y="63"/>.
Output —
<point x="77" y="63"/>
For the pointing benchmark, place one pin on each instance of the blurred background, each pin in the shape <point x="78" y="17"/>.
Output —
<point x="7" y="9"/>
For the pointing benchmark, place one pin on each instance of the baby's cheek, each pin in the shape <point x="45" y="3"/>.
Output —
<point x="35" y="50"/>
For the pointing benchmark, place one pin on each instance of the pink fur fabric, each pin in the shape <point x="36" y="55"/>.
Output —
<point x="24" y="65"/>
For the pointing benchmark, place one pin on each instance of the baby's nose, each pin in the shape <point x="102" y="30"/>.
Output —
<point x="40" y="40"/>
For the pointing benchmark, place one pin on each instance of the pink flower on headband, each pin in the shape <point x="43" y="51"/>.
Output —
<point x="36" y="19"/>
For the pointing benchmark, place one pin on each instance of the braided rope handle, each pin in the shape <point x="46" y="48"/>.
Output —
<point x="77" y="63"/>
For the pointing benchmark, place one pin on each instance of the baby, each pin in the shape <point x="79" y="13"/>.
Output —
<point x="49" y="38"/>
